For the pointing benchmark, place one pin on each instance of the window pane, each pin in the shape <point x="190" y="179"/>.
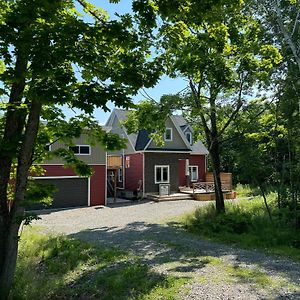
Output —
<point x="165" y="174"/>
<point x="75" y="149"/>
<point x="158" y="174"/>
<point x="84" y="149"/>
<point x="47" y="147"/>
<point x="168" y="135"/>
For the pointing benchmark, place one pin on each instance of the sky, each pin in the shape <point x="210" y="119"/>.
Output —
<point x="166" y="85"/>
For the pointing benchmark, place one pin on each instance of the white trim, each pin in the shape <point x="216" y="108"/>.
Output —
<point x="123" y="167"/>
<point x="58" y="177"/>
<point x="168" y="151"/>
<point x="122" y="175"/>
<point x="125" y="131"/>
<point x="143" y="174"/>
<point x="171" y="131"/>
<point x="50" y="146"/>
<point x="180" y="133"/>
<point x="147" y="145"/>
<point x="71" y="177"/>
<point x="81" y="154"/>
<point x="89" y="191"/>
<point x="161" y="166"/>
<point x="64" y="164"/>
<point x="188" y="126"/>
<point x="105" y="183"/>
<point x="191" y="137"/>
<point x="197" y="168"/>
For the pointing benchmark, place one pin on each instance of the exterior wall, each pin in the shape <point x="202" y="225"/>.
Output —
<point x="117" y="129"/>
<point x="135" y="171"/>
<point x="199" y="160"/>
<point x="176" y="143"/>
<point x="97" y="180"/>
<point x="97" y="156"/>
<point x="171" y="159"/>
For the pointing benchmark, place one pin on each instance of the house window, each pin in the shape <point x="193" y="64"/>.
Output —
<point x="189" y="137"/>
<point x="169" y="135"/>
<point x="81" y="149"/>
<point x="162" y="174"/>
<point x="120" y="175"/>
<point x="193" y="172"/>
<point x="48" y="147"/>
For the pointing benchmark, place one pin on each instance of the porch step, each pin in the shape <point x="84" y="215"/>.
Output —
<point x="171" y="197"/>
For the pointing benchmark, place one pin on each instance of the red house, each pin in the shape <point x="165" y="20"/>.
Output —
<point x="146" y="166"/>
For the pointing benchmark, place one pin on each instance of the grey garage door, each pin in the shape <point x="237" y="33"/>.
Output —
<point x="70" y="192"/>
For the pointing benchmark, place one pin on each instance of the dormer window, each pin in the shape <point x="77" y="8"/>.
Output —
<point x="189" y="137"/>
<point x="48" y="147"/>
<point x="169" y="135"/>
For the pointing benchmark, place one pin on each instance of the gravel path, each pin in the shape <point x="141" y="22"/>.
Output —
<point x="215" y="271"/>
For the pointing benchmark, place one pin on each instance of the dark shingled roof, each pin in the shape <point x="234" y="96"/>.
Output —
<point x="141" y="139"/>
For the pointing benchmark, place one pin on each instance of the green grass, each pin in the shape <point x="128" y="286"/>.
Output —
<point x="57" y="267"/>
<point x="247" y="224"/>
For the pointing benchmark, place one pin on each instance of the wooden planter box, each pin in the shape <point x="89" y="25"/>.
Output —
<point x="231" y="195"/>
<point x="211" y="196"/>
<point x="204" y="197"/>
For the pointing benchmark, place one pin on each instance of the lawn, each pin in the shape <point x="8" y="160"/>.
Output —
<point x="57" y="267"/>
<point x="247" y="224"/>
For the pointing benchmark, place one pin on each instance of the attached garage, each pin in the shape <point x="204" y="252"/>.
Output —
<point x="71" y="191"/>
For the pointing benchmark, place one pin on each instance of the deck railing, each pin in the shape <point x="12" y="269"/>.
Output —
<point x="210" y="186"/>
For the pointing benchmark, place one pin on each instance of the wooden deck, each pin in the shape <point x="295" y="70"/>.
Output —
<point x="171" y="197"/>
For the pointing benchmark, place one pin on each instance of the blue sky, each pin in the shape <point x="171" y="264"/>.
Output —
<point x="166" y="85"/>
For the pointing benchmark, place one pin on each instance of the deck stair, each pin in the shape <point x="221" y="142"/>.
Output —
<point x="172" y="197"/>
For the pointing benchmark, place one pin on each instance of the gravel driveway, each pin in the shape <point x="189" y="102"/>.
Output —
<point x="215" y="271"/>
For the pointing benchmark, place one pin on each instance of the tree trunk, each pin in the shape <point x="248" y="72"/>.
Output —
<point x="14" y="124"/>
<point x="10" y="242"/>
<point x="10" y="236"/>
<point x="266" y="203"/>
<point x="216" y="166"/>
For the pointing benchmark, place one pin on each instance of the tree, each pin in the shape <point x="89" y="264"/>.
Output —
<point x="280" y="20"/>
<point x="217" y="47"/>
<point x="50" y="56"/>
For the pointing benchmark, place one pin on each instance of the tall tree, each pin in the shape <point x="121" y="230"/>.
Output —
<point x="49" y="55"/>
<point x="281" y="22"/>
<point x="216" y="47"/>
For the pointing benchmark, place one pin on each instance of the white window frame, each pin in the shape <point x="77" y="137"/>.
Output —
<point x="120" y="175"/>
<point x="161" y="167"/>
<point x="190" y="173"/>
<point x="79" y="149"/>
<point x="171" y="131"/>
<point x="50" y="146"/>
<point x="191" y="137"/>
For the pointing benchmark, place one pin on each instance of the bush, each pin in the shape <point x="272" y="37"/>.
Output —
<point x="247" y="223"/>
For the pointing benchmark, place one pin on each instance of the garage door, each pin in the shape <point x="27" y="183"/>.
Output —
<point x="70" y="192"/>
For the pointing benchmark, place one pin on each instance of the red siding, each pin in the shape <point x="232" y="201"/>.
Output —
<point x="182" y="177"/>
<point x="135" y="171"/>
<point x="97" y="180"/>
<point x="199" y="160"/>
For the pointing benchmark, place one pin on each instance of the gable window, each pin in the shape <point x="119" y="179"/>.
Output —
<point x="193" y="172"/>
<point x="120" y="175"/>
<point x="81" y="149"/>
<point x="168" y="135"/>
<point x="189" y="137"/>
<point x="48" y="147"/>
<point x="162" y="174"/>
